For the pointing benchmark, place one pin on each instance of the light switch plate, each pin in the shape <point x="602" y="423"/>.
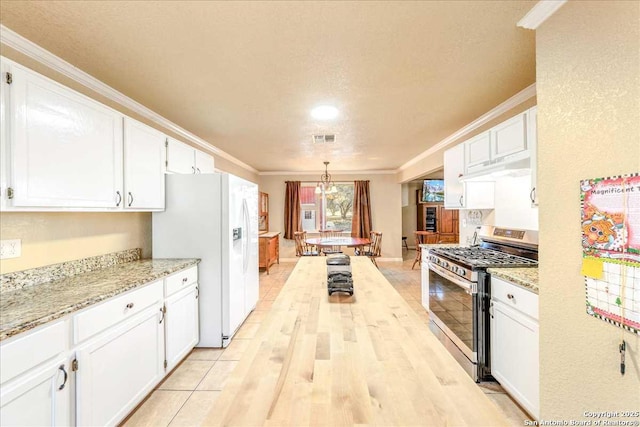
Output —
<point x="10" y="248"/>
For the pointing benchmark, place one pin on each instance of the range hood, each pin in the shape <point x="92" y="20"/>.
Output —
<point x="511" y="167"/>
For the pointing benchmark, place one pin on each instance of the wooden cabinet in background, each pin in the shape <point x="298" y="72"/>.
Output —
<point x="443" y="222"/>
<point x="269" y="249"/>
<point x="263" y="212"/>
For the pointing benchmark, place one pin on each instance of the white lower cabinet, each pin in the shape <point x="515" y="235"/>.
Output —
<point x="92" y="368"/>
<point x="515" y="343"/>
<point x="118" y="368"/>
<point x="39" y="397"/>
<point x="181" y="327"/>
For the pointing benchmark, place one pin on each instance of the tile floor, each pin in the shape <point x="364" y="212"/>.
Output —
<point x="186" y="396"/>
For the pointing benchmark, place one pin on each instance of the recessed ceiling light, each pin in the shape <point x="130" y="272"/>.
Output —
<point x="324" y="112"/>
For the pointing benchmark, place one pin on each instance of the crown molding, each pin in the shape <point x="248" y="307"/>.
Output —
<point x="333" y="172"/>
<point x="517" y="99"/>
<point x="539" y="13"/>
<point x="26" y="47"/>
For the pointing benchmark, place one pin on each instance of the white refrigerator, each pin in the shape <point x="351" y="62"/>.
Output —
<point x="213" y="217"/>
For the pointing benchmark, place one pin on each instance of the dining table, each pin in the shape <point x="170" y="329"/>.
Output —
<point x="348" y="241"/>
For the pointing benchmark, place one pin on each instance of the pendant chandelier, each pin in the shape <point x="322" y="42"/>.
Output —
<point x="326" y="183"/>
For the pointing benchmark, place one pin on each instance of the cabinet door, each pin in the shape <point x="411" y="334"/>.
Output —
<point x="204" y="162"/>
<point x="35" y="398"/>
<point x="453" y="169"/>
<point x="532" y="142"/>
<point x="66" y="149"/>
<point x="479" y="195"/>
<point x="144" y="154"/>
<point x="181" y="325"/>
<point x="514" y="354"/>
<point x="118" y="369"/>
<point x="448" y="221"/>
<point x="477" y="152"/>
<point x="508" y="138"/>
<point x="180" y="157"/>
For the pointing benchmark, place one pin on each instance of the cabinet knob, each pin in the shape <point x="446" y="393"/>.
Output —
<point x="510" y="296"/>
<point x="130" y="305"/>
<point x="184" y="280"/>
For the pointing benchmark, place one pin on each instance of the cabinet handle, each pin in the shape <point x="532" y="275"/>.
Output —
<point x="532" y="195"/>
<point x="163" y="310"/>
<point x="119" y="198"/>
<point x="193" y="169"/>
<point x="461" y="198"/>
<point x="198" y="169"/>
<point x="491" y="310"/>
<point x="510" y="296"/>
<point x="130" y="305"/>
<point x="64" y="383"/>
<point x="130" y="198"/>
<point x="197" y="292"/>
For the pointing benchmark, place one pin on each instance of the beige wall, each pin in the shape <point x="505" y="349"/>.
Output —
<point x="49" y="238"/>
<point x="386" y="211"/>
<point x="410" y="214"/>
<point x="588" y="68"/>
<point x="53" y="237"/>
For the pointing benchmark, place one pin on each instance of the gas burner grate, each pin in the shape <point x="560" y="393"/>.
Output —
<point x="482" y="257"/>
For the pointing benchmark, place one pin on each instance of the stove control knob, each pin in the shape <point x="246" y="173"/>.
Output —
<point x="445" y="264"/>
<point x="461" y="271"/>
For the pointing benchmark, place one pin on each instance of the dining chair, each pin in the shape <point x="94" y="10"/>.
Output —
<point x="374" y="248"/>
<point x="423" y="238"/>
<point x="302" y="247"/>
<point x="332" y="249"/>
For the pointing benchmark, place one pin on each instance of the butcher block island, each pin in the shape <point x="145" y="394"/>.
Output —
<point x="340" y="360"/>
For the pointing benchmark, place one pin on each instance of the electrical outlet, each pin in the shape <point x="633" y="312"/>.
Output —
<point x="10" y="249"/>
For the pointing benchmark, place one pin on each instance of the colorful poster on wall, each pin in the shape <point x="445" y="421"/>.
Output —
<point x="611" y="217"/>
<point x="610" y="221"/>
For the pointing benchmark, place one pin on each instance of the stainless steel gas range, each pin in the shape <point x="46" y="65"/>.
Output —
<point x="460" y="290"/>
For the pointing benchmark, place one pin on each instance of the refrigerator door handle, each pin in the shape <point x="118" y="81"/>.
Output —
<point x="245" y="235"/>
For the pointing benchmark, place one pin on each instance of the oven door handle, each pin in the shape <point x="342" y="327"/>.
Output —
<point x="470" y="287"/>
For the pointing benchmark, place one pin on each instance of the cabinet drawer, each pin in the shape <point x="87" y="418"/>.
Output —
<point x="115" y="310"/>
<point x="33" y="348"/>
<point x="515" y="297"/>
<point x="180" y="280"/>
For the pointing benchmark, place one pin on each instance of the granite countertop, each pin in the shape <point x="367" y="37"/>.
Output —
<point x="26" y="308"/>
<point x="526" y="277"/>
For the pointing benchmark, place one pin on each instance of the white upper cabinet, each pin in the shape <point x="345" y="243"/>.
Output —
<point x="65" y="148"/>
<point x="453" y="168"/>
<point x="504" y="146"/>
<point x="180" y="157"/>
<point x="532" y="139"/>
<point x="184" y="159"/>
<point x="464" y="195"/>
<point x="508" y="138"/>
<point x="144" y="153"/>
<point x="478" y="152"/>
<point x="204" y="162"/>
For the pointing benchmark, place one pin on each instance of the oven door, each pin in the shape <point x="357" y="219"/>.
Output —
<point x="453" y="308"/>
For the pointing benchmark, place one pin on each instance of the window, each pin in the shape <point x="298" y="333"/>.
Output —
<point x="338" y="207"/>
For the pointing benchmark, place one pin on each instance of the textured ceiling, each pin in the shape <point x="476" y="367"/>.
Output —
<point x="244" y="75"/>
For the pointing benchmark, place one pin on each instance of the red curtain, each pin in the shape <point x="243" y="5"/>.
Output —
<point x="292" y="218"/>
<point x="361" y="221"/>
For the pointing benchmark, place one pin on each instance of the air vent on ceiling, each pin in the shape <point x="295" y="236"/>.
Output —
<point x="321" y="139"/>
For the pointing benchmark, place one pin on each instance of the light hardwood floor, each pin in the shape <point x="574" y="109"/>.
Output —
<point x="186" y="397"/>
